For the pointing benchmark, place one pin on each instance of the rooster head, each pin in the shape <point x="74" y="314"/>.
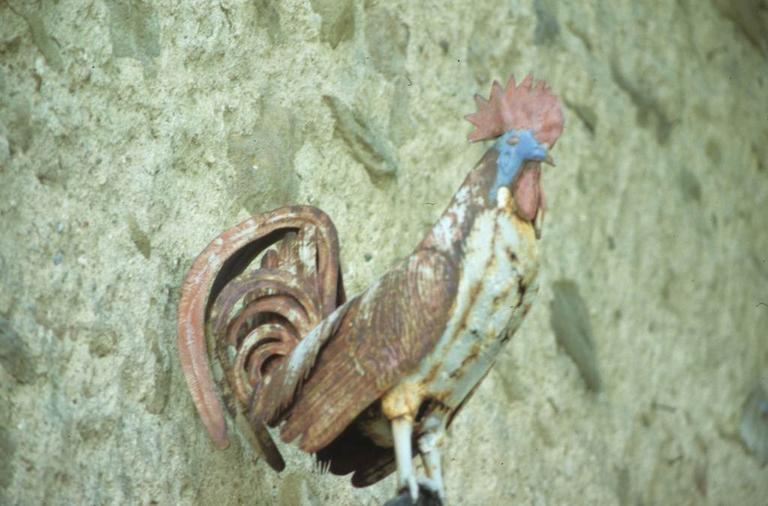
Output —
<point x="527" y="120"/>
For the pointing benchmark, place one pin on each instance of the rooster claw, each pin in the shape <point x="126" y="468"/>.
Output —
<point x="427" y="497"/>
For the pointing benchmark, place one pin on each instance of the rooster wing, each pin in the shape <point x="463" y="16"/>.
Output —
<point x="378" y="337"/>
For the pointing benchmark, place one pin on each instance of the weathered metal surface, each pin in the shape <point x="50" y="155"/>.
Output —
<point x="252" y="316"/>
<point x="409" y="350"/>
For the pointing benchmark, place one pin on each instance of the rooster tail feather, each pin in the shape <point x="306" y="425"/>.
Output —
<point x="248" y="301"/>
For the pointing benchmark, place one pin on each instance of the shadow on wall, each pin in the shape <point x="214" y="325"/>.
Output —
<point x="573" y="330"/>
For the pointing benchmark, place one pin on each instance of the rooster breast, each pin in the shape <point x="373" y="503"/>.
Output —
<point x="495" y="290"/>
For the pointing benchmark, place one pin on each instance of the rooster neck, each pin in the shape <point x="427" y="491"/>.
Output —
<point x="452" y="228"/>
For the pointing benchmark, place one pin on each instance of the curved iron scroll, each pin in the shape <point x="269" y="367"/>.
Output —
<point x="245" y="317"/>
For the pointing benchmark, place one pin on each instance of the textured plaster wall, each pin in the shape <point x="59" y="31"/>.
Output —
<point x="132" y="132"/>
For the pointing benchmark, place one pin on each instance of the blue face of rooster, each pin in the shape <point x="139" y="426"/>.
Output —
<point x="515" y="147"/>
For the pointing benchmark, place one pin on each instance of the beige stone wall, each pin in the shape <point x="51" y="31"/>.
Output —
<point x="132" y="132"/>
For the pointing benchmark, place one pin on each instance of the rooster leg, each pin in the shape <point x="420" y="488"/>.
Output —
<point x="429" y="448"/>
<point x="402" y="430"/>
<point x="400" y="406"/>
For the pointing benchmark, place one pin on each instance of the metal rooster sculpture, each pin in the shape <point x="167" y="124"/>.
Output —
<point x="366" y="383"/>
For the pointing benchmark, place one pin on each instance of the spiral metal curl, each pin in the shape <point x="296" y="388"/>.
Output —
<point x="248" y="318"/>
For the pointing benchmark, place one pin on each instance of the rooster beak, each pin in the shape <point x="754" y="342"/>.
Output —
<point x="549" y="160"/>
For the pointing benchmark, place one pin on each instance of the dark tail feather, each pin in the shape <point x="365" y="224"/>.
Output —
<point x="353" y="452"/>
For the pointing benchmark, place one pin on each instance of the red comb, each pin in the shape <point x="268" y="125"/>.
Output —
<point x="524" y="106"/>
